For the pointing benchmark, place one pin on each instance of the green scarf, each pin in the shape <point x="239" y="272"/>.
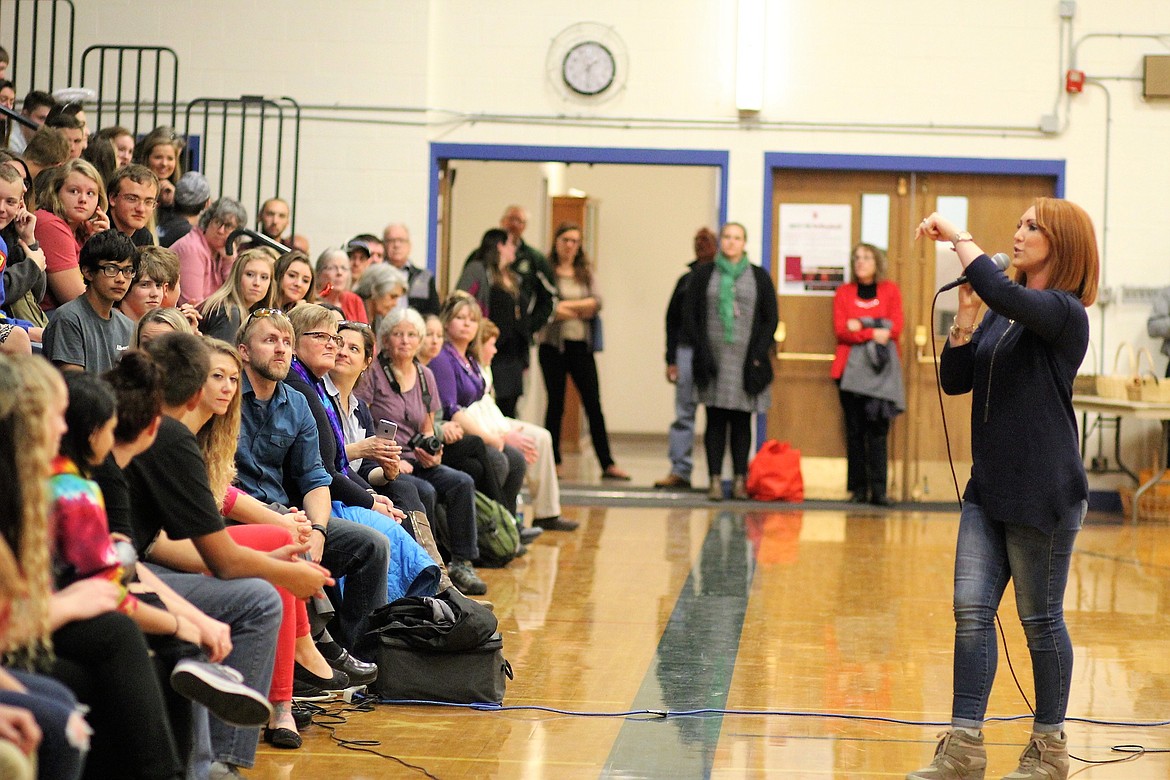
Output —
<point x="729" y="274"/>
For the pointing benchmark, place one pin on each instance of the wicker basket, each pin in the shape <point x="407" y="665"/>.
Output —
<point x="1154" y="507"/>
<point x="1117" y="385"/>
<point x="1086" y="384"/>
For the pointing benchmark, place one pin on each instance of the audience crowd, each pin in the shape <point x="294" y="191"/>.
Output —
<point x="200" y="442"/>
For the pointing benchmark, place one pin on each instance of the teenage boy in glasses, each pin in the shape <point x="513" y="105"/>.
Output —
<point x="88" y="333"/>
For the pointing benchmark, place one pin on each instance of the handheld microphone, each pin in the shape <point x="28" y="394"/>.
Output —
<point x="1001" y="260"/>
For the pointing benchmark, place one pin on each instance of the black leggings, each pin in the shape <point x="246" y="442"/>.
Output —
<point x="576" y="361"/>
<point x="469" y="455"/>
<point x="740" y="424"/>
<point x="105" y="661"/>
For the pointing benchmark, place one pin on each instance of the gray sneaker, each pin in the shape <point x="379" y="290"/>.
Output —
<point x="463" y="576"/>
<point x="957" y="757"/>
<point x="222" y="691"/>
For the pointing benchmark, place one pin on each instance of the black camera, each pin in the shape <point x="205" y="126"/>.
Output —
<point x="428" y="444"/>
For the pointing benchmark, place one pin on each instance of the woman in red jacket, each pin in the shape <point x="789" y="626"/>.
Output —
<point x="867" y="309"/>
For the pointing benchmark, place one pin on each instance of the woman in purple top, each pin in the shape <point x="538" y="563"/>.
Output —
<point x="461" y="384"/>
<point x="401" y="390"/>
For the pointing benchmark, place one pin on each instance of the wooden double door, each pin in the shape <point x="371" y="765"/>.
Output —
<point x="805" y="409"/>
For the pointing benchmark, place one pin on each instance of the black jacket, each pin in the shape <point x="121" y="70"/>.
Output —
<point x="757" y="369"/>
<point x="674" y="334"/>
<point x="351" y="490"/>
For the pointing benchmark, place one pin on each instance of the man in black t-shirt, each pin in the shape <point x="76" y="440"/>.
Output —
<point x="169" y="492"/>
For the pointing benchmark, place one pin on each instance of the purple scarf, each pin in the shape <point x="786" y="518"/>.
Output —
<point x="330" y="412"/>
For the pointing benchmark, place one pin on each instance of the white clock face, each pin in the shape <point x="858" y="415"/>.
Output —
<point x="589" y="68"/>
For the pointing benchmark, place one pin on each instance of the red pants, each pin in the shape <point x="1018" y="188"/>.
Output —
<point x="295" y="622"/>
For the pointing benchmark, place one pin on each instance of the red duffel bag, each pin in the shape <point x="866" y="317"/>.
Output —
<point x="774" y="474"/>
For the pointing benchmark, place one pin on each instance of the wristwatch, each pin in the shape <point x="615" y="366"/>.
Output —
<point x="959" y="238"/>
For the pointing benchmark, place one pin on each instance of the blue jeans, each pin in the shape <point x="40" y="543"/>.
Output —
<point x="252" y="608"/>
<point x="52" y="704"/>
<point x="682" y="430"/>
<point x="989" y="554"/>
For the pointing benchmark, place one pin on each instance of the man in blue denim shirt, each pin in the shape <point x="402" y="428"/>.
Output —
<point x="279" y="452"/>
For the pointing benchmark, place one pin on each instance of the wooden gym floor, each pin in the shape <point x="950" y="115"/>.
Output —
<point x="836" y="622"/>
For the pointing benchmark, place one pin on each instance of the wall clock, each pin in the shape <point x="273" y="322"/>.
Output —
<point x="589" y="68"/>
<point x="587" y="62"/>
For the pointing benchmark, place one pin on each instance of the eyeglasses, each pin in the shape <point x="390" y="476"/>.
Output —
<point x="134" y="200"/>
<point x="321" y="337"/>
<point x="352" y="325"/>
<point x="113" y="271"/>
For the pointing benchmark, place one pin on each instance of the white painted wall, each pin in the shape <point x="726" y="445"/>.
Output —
<point x="452" y="68"/>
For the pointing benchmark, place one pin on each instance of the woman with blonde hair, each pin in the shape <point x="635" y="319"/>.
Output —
<point x="158" y="321"/>
<point x="247" y="289"/>
<point x="72" y="206"/>
<point x="99" y="652"/>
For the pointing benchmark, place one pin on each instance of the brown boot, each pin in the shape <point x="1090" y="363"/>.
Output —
<point x="739" y="488"/>
<point x="1045" y="758"/>
<point x="958" y="756"/>
<point x="715" y="491"/>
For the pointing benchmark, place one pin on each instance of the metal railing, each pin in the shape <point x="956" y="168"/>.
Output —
<point x="132" y="79"/>
<point x="248" y="145"/>
<point x="39" y="37"/>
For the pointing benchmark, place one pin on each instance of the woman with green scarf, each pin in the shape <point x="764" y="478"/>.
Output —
<point x="730" y="315"/>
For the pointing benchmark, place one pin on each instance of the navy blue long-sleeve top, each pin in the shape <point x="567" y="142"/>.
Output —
<point x="1019" y="367"/>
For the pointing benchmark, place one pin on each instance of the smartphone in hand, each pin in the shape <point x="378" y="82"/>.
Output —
<point x="386" y="429"/>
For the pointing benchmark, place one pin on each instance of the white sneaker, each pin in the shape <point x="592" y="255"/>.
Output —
<point x="222" y="691"/>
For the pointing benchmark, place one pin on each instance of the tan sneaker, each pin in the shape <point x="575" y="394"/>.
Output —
<point x="957" y="757"/>
<point x="1045" y="758"/>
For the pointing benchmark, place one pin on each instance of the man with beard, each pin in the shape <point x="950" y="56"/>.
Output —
<point x="279" y="452"/>
<point x="88" y="333"/>
<point x="274" y="219"/>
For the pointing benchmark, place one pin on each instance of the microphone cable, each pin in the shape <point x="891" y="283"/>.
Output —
<point x="1135" y="751"/>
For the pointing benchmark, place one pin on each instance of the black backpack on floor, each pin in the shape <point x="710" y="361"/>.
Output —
<point x="443" y="648"/>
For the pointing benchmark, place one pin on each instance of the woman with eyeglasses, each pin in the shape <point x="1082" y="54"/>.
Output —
<point x="315" y="347"/>
<point x="293" y="278"/>
<point x="72" y="209"/>
<point x="247" y="289"/>
<point x="204" y="261"/>
<point x="402" y="390"/>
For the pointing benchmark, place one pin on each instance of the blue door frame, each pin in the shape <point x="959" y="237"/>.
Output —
<point x="441" y="152"/>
